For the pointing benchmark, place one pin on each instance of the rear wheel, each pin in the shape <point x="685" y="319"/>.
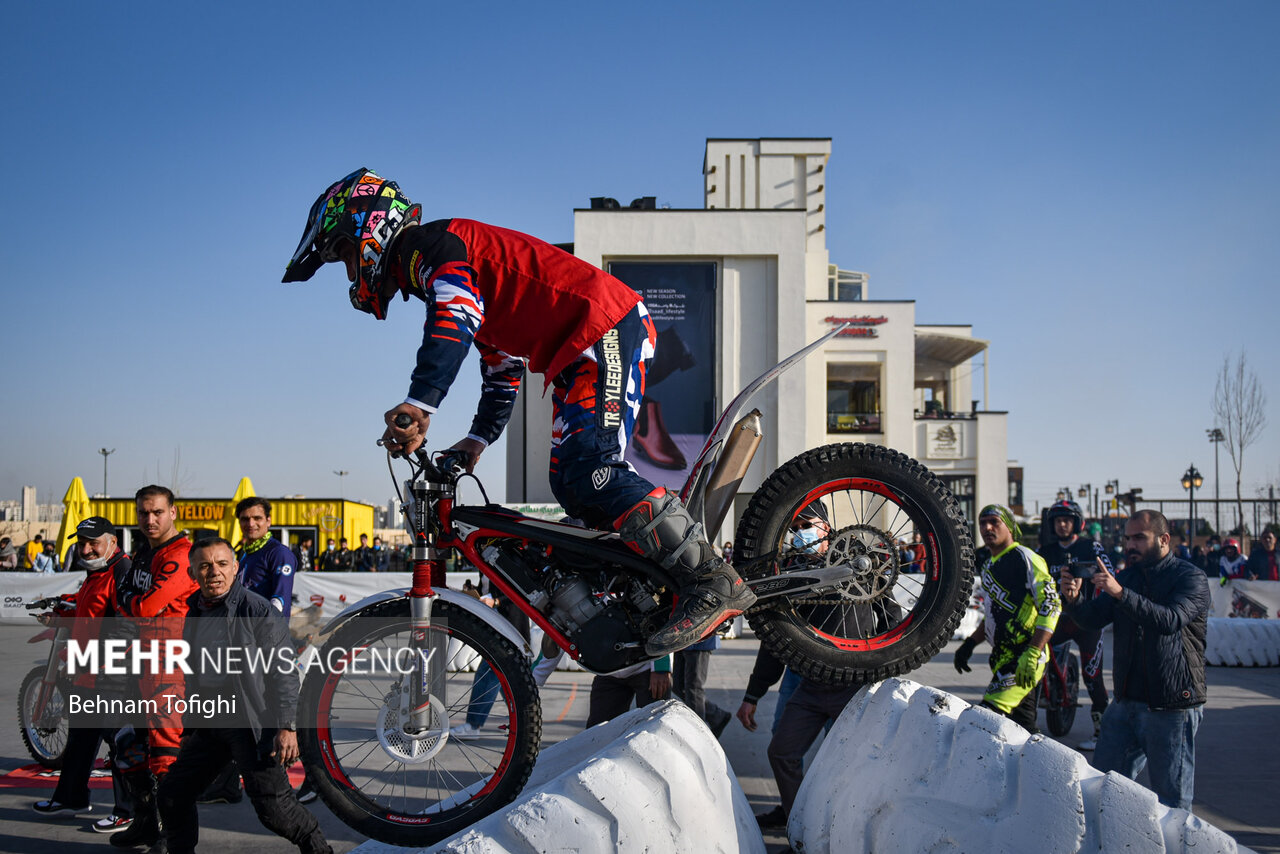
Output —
<point x="1060" y="715"/>
<point x="44" y="731"/>
<point x="407" y="788"/>
<point x="896" y="611"/>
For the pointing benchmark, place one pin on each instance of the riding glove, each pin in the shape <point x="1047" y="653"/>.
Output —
<point x="1031" y="666"/>
<point x="963" y="652"/>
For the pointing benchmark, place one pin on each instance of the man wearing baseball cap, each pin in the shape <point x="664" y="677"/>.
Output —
<point x="98" y="553"/>
<point x="1022" y="607"/>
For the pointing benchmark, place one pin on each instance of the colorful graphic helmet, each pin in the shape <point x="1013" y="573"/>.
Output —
<point x="1066" y="508"/>
<point x="367" y="210"/>
<point x="1231" y="543"/>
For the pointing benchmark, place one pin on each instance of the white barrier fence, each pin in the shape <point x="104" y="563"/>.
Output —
<point x="653" y="780"/>
<point x="1243" y="643"/>
<point x="911" y="768"/>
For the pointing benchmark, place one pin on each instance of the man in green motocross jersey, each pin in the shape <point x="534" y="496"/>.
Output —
<point x="1022" y="608"/>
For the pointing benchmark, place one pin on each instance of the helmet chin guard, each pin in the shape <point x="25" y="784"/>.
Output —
<point x="368" y="210"/>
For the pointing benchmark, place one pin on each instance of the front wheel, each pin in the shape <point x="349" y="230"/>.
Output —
<point x="900" y="533"/>
<point x="44" y="730"/>
<point x="389" y="782"/>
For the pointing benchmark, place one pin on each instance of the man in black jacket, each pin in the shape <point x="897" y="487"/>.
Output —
<point x="1159" y="606"/>
<point x="241" y="631"/>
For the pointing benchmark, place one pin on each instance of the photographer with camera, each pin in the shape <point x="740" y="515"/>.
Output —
<point x="1158" y="606"/>
<point x="1068" y="552"/>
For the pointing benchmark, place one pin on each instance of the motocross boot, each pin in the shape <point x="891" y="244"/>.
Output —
<point x="709" y="591"/>
<point x="145" y="830"/>
<point x="1090" y="744"/>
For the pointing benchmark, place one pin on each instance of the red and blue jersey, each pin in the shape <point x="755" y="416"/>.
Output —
<point x="519" y="299"/>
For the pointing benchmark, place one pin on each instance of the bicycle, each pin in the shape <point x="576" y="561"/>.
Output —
<point x="377" y="745"/>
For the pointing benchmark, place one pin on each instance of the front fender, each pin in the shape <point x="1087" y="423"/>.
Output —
<point x="460" y="600"/>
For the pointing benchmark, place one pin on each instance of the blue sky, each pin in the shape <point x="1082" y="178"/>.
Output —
<point x="1094" y="186"/>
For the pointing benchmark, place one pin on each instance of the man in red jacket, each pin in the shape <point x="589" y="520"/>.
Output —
<point x="154" y="594"/>
<point x="98" y="553"/>
<point x="521" y="300"/>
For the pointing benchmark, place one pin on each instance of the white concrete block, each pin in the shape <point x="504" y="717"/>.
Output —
<point x="1236" y="642"/>
<point x="653" y="780"/>
<point x="908" y="768"/>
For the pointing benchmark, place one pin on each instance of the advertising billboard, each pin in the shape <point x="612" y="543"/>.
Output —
<point x="679" y="408"/>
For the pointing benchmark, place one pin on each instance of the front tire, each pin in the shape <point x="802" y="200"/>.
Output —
<point x="416" y="790"/>
<point x="887" y="619"/>
<point x="45" y="739"/>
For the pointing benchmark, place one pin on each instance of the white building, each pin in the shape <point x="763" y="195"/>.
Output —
<point x="750" y="274"/>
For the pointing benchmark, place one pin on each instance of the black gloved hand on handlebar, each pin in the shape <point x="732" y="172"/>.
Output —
<point x="963" y="653"/>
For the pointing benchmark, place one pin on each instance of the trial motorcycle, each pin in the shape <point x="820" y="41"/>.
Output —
<point x="377" y="742"/>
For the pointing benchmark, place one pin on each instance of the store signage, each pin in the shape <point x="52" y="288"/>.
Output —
<point x="862" y="326"/>
<point x="944" y="441"/>
<point x="201" y="512"/>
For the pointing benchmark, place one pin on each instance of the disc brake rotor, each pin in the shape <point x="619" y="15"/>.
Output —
<point x="873" y="557"/>
<point x="403" y="746"/>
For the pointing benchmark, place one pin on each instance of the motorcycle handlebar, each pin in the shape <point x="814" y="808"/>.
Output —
<point x="40" y="604"/>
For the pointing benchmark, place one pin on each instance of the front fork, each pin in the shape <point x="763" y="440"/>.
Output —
<point x="430" y="648"/>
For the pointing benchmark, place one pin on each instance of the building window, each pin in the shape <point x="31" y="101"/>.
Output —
<point x="964" y="488"/>
<point x="845" y="285"/>
<point x="853" y="399"/>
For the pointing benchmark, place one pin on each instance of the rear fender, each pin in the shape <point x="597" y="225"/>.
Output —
<point x="458" y="599"/>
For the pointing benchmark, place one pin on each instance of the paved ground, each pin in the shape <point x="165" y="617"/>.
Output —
<point x="1238" y="756"/>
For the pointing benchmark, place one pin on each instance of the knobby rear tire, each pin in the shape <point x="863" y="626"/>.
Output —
<point x="874" y="496"/>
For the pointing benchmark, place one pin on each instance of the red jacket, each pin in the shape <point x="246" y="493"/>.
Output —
<point x="516" y="296"/>
<point x="155" y="591"/>
<point x="95" y="600"/>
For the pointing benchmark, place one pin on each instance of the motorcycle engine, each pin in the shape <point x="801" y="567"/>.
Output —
<point x="605" y="613"/>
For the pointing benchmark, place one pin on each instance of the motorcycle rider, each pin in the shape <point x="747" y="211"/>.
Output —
<point x="1231" y="564"/>
<point x="1067" y="546"/>
<point x="154" y="594"/>
<point x="521" y="300"/>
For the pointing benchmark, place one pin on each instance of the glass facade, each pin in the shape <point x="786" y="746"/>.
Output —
<point x="853" y="398"/>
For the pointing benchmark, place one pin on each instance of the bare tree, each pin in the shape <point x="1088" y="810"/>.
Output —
<point x="1240" y="410"/>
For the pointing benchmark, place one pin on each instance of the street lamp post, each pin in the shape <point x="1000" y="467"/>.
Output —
<point x="1113" y="488"/>
<point x="1191" y="481"/>
<point x="1217" y="437"/>
<point x="341" y="475"/>
<point x="1084" y="493"/>
<point x="105" y="453"/>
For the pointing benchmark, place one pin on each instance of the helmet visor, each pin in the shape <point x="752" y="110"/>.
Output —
<point x="306" y="258"/>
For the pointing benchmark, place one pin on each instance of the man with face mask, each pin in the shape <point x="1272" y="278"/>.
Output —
<point x="328" y="560"/>
<point x="99" y="555"/>
<point x="806" y="706"/>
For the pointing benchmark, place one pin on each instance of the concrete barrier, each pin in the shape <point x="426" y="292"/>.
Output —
<point x="652" y="780"/>
<point x="1243" y="643"/>
<point x="908" y="768"/>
